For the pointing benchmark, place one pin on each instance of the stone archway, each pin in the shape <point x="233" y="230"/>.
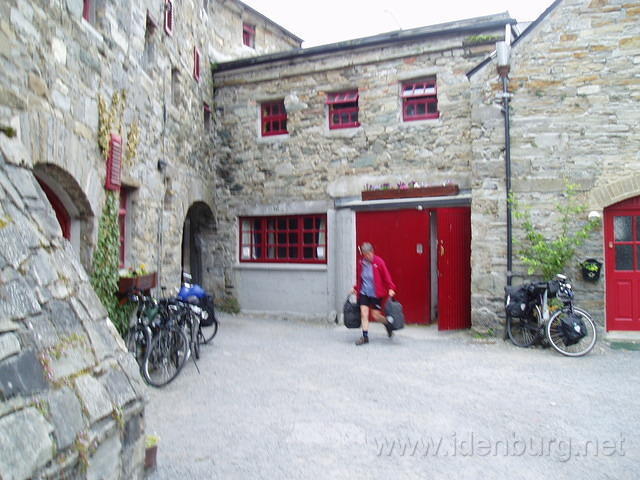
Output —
<point x="66" y="197"/>
<point x="197" y="236"/>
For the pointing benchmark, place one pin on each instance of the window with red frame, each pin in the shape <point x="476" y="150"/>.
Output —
<point x="343" y="109"/>
<point x="196" y="64"/>
<point x="122" y="222"/>
<point x="274" y="118"/>
<point x="249" y="35"/>
<point x="284" y="239"/>
<point x="420" y="100"/>
<point x="168" y="17"/>
<point x="89" y="11"/>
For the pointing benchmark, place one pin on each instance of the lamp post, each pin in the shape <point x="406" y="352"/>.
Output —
<point x="503" y="51"/>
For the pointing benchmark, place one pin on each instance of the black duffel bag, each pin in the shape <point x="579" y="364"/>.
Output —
<point x="351" y="311"/>
<point x="395" y="314"/>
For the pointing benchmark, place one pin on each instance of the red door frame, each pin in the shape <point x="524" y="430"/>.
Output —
<point x="402" y="239"/>
<point x="454" y="268"/>
<point x="622" y="286"/>
<point x="64" y="219"/>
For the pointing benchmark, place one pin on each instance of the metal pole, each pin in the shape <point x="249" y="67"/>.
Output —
<point x="507" y="161"/>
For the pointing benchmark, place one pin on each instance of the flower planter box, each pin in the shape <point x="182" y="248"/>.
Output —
<point x="591" y="269"/>
<point x="141" y="282"/>
<point x="391" y="193"/>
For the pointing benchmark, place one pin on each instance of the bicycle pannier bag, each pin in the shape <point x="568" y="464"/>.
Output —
<point x="395" y="314"/>
<point x="351" y="313"/>
<point x="518" y="302"/>
<point x="572" y="329"/>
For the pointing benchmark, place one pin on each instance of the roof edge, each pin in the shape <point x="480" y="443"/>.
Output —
<point x="527" y="31"/>
<point x="396" y="36"/>
<point x="264" y="17"/>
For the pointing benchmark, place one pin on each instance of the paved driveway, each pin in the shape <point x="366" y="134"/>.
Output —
<point x="280" y="399"/>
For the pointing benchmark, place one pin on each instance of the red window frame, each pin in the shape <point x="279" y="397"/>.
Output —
<point x="249" y="35"/>
<point x="419" y="100"/>
<point x="283" y="239"/>
<point x="196" y="64"/>
<point x="168" y="17"/>
<point x="114" y="163"/>
<point x="122" y="224"/>
<point x="87" y="9"/>
<point x="343" y="109"/>
<point x="207" y="115"/>
<point x="273" y="118"/>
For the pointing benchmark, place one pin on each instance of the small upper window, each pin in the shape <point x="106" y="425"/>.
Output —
<point x="420" y="99"/>
<point x="249" y="35"/>
<point x="207" y="116"/>
<point x="343" y="109"/>
<point x="196" y="64"/>
<point x="89" y="11"/>
<point x="274" y="118"/>
<point x="168" y="17"/>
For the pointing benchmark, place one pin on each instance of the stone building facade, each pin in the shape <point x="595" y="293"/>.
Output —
<point x="574" y="116"/>
<point x="72" y="402"/>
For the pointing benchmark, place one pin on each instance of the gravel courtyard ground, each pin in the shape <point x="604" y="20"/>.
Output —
<point x="278" y="399"/>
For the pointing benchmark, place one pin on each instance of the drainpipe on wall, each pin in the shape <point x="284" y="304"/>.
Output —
<point x="502" y="56"/>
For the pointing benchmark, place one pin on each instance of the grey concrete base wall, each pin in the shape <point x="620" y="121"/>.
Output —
<point x="302" y="291"/>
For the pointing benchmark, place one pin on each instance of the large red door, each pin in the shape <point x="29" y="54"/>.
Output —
<point x="622" y="260"/>
<point x="401" y="238"/>
<point x="454" y="268"/>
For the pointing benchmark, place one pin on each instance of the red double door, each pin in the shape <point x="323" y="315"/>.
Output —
<point x="622" y="260"/>
<point x="403" y="239"/>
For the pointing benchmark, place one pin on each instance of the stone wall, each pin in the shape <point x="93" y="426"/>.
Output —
<point x="55" y="65"/>
<point x="574" y="116"/>
<point x="72" y="400"/>
<point x="314" y="163"/>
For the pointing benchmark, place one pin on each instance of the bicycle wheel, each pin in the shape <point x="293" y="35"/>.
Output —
<point x="556" y="339"/>
<point x="194" y="331"/>
<point x="166" y="356"/>
<point x="523" y="332"/>
<point x="137" y="341"/>
<point x="208" y="332"/>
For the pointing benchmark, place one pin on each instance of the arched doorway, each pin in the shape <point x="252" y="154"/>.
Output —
<point x="622" y="259"/>
<point x="197" y="235"/>
<point x="71" y="207"/>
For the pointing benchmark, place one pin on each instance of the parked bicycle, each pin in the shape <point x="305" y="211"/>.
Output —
<point x="202" y="305"/>
<point x="569" y="330"/>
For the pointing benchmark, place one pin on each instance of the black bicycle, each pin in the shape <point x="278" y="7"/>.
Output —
<point x="569" y="330"/>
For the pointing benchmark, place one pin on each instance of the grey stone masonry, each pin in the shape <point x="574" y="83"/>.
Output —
<point x="63" y="374"/>
<point x="575" y="88"/>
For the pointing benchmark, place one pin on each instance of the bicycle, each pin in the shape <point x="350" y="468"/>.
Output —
<point x="195" y="295"/>
<point x="169" y="349"/>
<point x="139" y="335"/>
<point x="569" y="330"/>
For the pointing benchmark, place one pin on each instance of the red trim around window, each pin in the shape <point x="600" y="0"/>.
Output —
<point x="168" y="17"/>
<point x="122" y="222"/>
<point x="419" y="100"/>
<point x="86" y="10"/>
<point x="114" y="163"/>
<point x="343" y="109"/>
<point x="64" y="219"/>
<point x="273" y="118"/>
<point x="249" y="35"/>
<point x="196" y="64"/>
<point x="284" y="239"/>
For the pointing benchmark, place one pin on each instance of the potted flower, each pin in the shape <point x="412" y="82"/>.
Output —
<point x="136" y="278"/>
<point x="591" y="269"/>
<point x="151" y="451"/>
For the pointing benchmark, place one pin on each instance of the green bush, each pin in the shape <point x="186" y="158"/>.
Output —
<point x="549" y="256"/>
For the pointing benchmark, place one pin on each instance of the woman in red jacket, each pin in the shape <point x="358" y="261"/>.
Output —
<point x="373" y="284"/>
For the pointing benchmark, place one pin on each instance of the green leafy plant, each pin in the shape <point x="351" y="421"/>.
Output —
<point x="106" y="261"/>
<point x="549" y="256"/>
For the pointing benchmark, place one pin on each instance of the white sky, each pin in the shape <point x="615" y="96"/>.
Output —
<point x="320" y="22"/>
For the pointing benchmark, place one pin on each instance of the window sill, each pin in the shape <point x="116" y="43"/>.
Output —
<point x="342" y="132"/>
<point x="273" y="138"/>
<point x="309" y="267"/>
<point x="425" y="121"/>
